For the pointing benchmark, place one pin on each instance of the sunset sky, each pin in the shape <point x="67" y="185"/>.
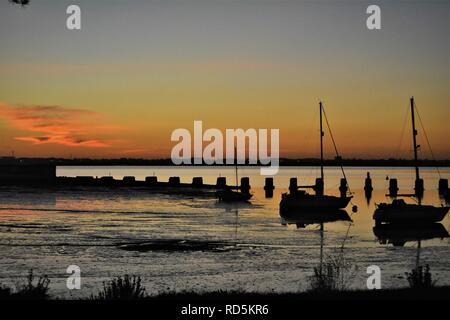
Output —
<point x="137" y="70"/>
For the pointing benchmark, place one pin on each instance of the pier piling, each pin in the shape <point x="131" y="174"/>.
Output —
<point x="174" y="181"/>
<point x="368" y="188"/>
<point x="443" y="186"/>
<point x="151" y="181"/>
<point x="418" y="187"/>
<point x="197" y="182"/>
<point x="268" y="187"/>
<point x="343" y="188"/>
<point x="85" y="180"/>
<point x="106" y="181"/>
<point x="368" y="183"/>
<point x="129" y="180"/>
<point x="245" y="185"/>
<point x="393" y="187"/>
<point x="221" y="182"/>
<point x="293" y="185"/>
<point x="319" y="186"/>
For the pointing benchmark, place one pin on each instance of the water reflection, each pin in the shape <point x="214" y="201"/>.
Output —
<point x="446" y="196"/>
<point x="368" y="195"/>
<point x="399" y="234"/>
<point x="19" y="196"/>
<point x="303" y="218"/>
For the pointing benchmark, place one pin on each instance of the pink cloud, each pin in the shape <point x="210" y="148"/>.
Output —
<point x="58" y="125"/>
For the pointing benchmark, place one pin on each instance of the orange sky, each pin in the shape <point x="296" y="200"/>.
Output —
<point x="119" y="87"/>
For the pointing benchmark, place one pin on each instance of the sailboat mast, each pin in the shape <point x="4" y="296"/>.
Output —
<point x="414" y="131"/>
<point x="321" y="249"/>
<point x="419" y="245"/>
<point x="321" y="142"/>
<point x="236" y="168"/>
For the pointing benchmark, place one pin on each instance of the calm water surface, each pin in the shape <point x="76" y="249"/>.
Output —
<point x="48" y="230"/>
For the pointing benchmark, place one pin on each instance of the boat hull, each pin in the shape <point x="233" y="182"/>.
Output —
<point x="233" y="196"/>
<point x="410" y="213"/>
<point x="313" y="203"/>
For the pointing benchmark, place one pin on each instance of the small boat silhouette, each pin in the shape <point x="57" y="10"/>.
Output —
<point x="237" y="195"/>
<point x="230" y="195"/>
<point x="401" y="212"/>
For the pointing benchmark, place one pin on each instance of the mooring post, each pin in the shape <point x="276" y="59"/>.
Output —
<point x="443" y="186"/>
<point x="343" y="187"/>
<point x="293" y="185"/>
<point x="221" y="182"/>
<point x="319" y="186"/>
<point x="418" y="187"/>
<point x="245" y="185"/>
<point x="151" y="181"/>
<point x="174" y="181"/>
<point x="269" y="187"/>
<point x="368" y="183"/>
<point x="129" y="180"/>
<point x="393" y="187"/>
<point x="197" y="182"/>
<point x="106" y="181"/>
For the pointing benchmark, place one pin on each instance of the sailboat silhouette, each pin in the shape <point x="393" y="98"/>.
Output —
<point x="301" y="200"/>
<point x="401" y="212"/>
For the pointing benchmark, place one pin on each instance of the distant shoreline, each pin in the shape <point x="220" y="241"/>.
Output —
<point x="284" y="162"/>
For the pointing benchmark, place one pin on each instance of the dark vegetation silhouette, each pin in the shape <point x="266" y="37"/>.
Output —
<point x="334" y="275"/>
<point x="30" y="290"/>
<point x="330" y="284"/>
<point x="21" y="2"/>
<point x="126" y="288"/>
<point x="420" y="278"/>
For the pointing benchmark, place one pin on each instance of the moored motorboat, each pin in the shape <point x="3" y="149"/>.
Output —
<point x="401" y="212"/>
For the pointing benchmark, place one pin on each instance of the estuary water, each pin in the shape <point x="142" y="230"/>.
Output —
<point x="192" y="242"/>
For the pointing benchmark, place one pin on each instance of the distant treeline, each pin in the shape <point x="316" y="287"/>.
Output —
<point x="168" y="162"/>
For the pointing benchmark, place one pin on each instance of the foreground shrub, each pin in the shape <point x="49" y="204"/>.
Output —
<point x="5" y="292"/>
<point x="420" y="278"/>
<point x="21" y="2"/>
<point x="332" y="275"/>
<point x="31" y="290"/>
<point x="126" y="288"/>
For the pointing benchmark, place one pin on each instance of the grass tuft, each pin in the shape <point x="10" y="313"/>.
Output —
<point x="31" y="290"/>
<point x="126" y="288"/>
<point x="333" y="275"/>
<point x="420" y="278"/>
